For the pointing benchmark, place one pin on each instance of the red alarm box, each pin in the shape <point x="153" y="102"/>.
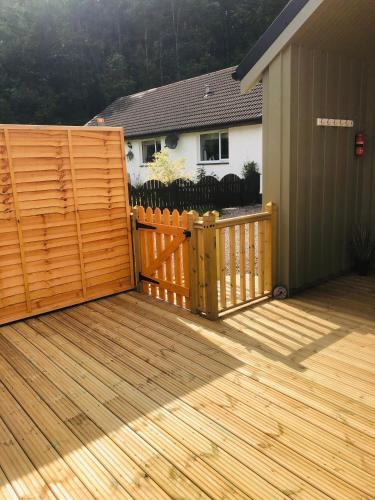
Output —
<point x="359" y="147"/>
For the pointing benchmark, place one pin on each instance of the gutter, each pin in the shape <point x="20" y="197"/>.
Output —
<point x="150" y="135"/>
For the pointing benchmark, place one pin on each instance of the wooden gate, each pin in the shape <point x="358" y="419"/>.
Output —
<point x="162" y="260"/>
<point x="206" y="264"/>
<point x="64" y="217"/>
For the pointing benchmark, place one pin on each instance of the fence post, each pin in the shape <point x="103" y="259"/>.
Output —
<point x="271" y="246"/>
<point x="217" y="235"/>
<point x="136" y="250"/>
<point x="210" y="265"/>
<point x="193" y="261"/>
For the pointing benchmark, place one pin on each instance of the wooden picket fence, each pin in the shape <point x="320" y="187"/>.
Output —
<point x="161" y="247"/>
<point x="236" y="259"/>
<point x="205" y="264"/>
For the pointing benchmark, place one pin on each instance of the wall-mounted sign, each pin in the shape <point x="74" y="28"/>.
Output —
<point x="334" y="122"/>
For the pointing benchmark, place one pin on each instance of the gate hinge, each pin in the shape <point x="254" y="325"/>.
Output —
<point x="142" y="225"/>
<point x="187" y="233"/>
<point x="146" y="278"/>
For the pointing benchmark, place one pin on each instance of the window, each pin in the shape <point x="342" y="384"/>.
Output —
<point x="149" y="148"/>
<point x="214" y="146"/>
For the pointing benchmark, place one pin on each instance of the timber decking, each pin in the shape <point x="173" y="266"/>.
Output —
<point x="128" y="397"/>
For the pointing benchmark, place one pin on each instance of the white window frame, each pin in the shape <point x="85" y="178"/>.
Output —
<point x="212" y="162"/>
<point x="156" y="139"/>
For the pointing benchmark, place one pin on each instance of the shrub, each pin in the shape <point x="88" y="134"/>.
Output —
<point x="249" y="169"/>
<point x="138" y="182"/>
<point x="164" y="169"/>
<point x="201" y="173"/>
<point x="362" y="249"/>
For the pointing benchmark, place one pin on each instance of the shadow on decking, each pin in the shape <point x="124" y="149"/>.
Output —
<point x="77" y="376"/>
<point x="292" y="331"/>
<point x="109" y="373"/>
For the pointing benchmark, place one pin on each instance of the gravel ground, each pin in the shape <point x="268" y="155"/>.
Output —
<point x="237" y="212"/>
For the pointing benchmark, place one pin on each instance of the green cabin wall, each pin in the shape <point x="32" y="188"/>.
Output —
<point x="311" y="171"/>
<point x="366" y="174"/>
<point x="276" y="152"/>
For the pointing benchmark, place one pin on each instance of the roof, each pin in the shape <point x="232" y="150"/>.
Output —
<point x="182" y="106"/>
<point x="279" y="33"/>
<point x="269" y="36"/>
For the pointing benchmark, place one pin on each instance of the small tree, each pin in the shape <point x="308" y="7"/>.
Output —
<point x="249" y="169"/>
<point x="164" y="169"/>
<point x="201" y="173"/>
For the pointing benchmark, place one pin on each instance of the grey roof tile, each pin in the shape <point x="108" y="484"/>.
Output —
<point x="183" y="106"/>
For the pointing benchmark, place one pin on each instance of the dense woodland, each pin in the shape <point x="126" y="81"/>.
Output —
<point x="62" y="61"/>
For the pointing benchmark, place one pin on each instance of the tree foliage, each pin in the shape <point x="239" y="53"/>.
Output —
<point x="62" y="61"/>
<point x="249" y="169"/>
<point x="166" y="170"/>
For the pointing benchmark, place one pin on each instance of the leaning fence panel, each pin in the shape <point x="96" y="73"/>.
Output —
<point x="64" y="218"/>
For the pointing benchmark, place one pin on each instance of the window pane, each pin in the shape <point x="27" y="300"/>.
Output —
<point x="148" y="150"/>
<point x="224" y="145"/>
<point x="158" y="145"/>
<point x="210" y="147"/>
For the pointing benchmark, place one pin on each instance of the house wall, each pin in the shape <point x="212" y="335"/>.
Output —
<point x="245" y="144"/>
<point x="311" y="171"/>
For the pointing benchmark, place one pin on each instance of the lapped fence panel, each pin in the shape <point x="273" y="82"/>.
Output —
<point x="64" y="218"/>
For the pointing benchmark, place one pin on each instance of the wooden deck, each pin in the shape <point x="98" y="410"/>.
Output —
<point x="129" y="398"/>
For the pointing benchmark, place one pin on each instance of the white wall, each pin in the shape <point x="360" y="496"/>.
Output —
<point x="245" y="144"/>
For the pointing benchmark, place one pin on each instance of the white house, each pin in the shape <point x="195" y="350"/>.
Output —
<point x="204" y="120"/>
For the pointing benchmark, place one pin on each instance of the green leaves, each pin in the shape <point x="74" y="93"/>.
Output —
<point x="362" y="246"/>
<point x="164" y="169"/>
<point x="63" y="61"/>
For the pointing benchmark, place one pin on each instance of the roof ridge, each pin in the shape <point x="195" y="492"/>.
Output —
<point x="230" y="68"/>
<point x="185" y="104"/>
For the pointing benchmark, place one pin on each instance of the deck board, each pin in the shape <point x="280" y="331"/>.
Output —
<point x="128" y="397"/>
